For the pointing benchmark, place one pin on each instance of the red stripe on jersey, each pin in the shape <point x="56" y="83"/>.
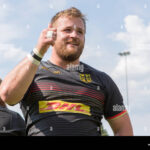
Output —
<point x="53" y="87"/>
<point x="113" y="117"/>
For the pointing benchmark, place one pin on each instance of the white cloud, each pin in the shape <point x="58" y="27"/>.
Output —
<point x="136" y="38"/>
<point x="10" y="53"/>
<point x="9" y="32"/>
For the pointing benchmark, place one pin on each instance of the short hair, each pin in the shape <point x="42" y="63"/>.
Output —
<point x="0" y="80"/>
<point x="71" y="12"/>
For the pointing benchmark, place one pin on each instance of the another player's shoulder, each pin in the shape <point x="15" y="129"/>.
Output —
<point x="10" y="113"/>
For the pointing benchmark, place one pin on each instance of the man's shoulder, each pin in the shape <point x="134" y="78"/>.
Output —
<point x="44" y="67"/>
<point x="94" y="70"/>
<point x="46" y="64"/>
<point x="101" y="75"/>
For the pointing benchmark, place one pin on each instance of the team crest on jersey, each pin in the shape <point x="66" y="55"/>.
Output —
<point x="85" y="78"/>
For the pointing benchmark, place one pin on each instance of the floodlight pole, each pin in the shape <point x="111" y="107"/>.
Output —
<point x="125" y="54"/>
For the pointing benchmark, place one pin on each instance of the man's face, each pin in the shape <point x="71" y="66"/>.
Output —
<point x="70" y="39"/>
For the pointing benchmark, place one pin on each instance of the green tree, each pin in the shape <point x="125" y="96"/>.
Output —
<point x="104" y="131"/>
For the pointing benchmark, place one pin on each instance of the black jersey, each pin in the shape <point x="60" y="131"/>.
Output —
<point x="69" y="101"/>
<point x="11" y="123"/>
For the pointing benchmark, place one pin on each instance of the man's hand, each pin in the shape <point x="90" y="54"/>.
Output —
<point x="44" y="42"/>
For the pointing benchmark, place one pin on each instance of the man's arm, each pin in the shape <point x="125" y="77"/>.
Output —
<point x="16" y="83"/>
<point x="121" y="126"/>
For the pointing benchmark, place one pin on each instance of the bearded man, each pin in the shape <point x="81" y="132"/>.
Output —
<point x="57" y="97"/>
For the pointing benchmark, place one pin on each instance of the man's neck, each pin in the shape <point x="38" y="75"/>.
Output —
<point x="56" y="60"/>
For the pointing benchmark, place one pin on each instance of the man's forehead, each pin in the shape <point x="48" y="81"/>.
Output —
<point x="70" y="22"/>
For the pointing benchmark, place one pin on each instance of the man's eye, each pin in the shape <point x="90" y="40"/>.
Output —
<point x="80" y="32"/>
<point x="67" y="30"/>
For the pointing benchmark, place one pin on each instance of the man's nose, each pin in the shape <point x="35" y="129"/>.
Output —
<point x="74" y="34"/>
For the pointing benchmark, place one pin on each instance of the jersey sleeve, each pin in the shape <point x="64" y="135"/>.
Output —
<point x="113" y="106"/>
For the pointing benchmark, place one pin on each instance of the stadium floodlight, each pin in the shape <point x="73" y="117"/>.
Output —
<point x="125" y="54"/>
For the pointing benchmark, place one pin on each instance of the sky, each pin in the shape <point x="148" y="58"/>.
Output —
<point x="113" y="26"/>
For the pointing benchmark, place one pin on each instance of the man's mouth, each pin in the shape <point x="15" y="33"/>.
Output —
<point x="71" y="43"/>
